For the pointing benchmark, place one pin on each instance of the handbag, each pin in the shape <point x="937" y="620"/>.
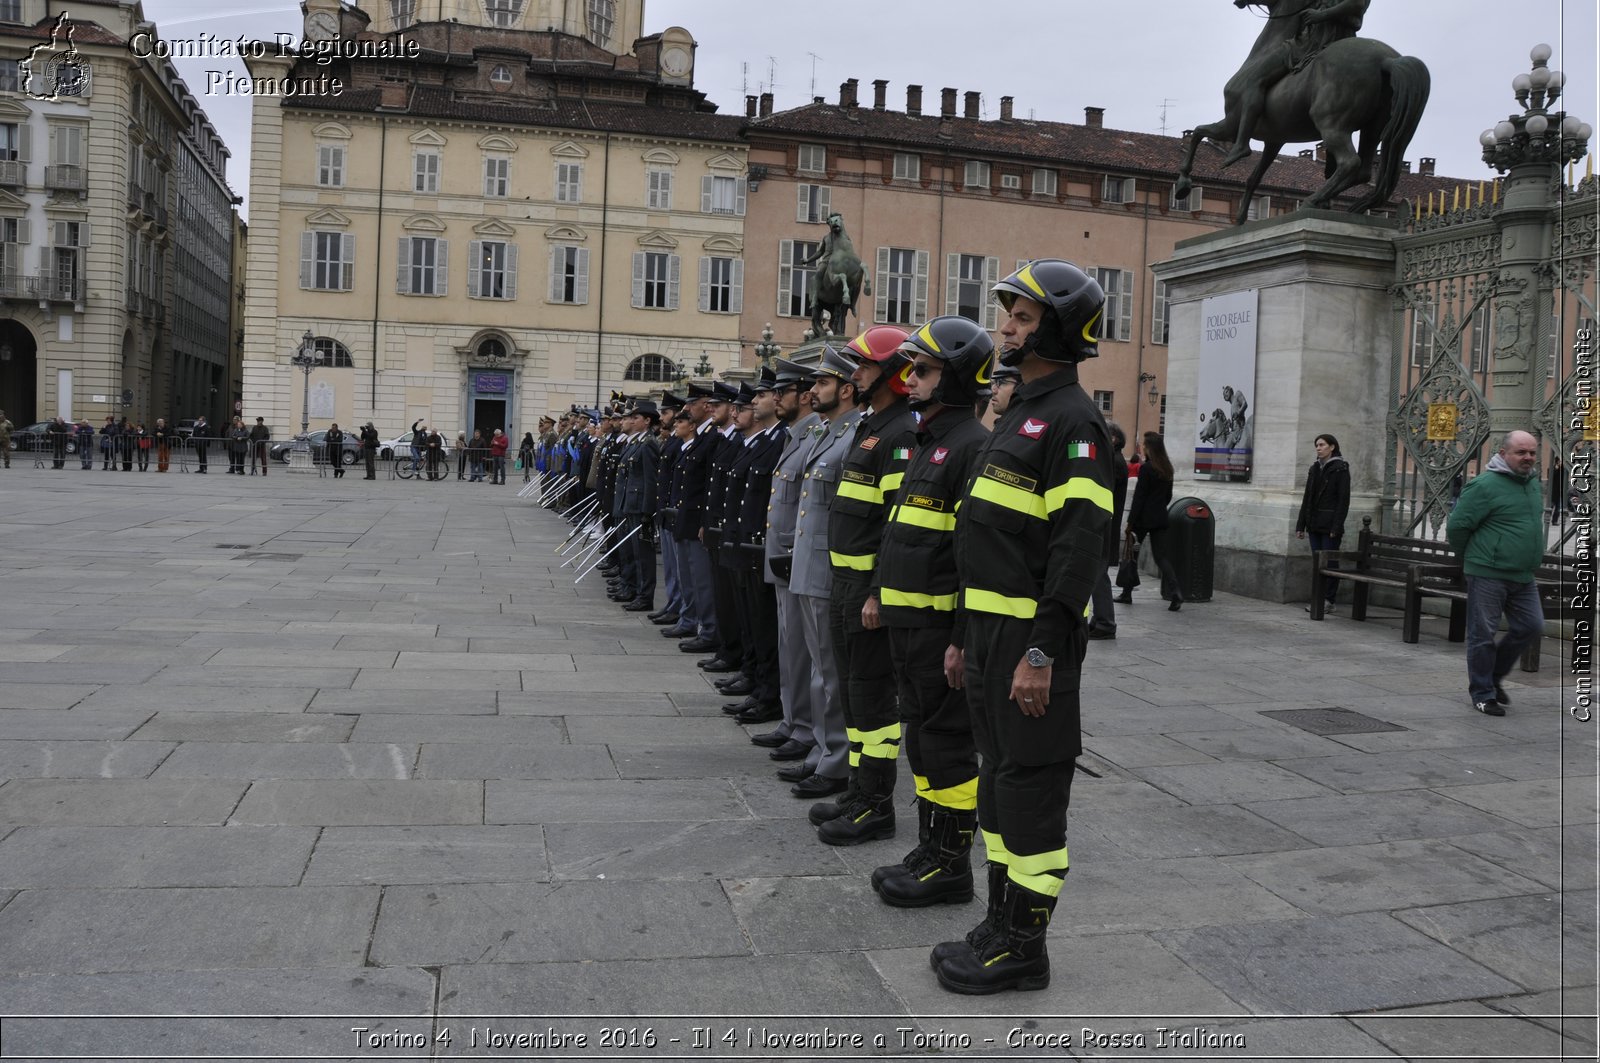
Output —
<point x="1128" y="567"/>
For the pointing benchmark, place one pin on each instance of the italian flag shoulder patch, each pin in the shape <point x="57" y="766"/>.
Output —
<point x="1081" y="450"/>
<point x="902" y="453"/>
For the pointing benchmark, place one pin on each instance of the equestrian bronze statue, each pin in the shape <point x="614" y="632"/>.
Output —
<point x="838" y="279"/>
<point x="1310" y="78"/>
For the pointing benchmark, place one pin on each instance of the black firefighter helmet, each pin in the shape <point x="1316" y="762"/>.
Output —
<point x="1073" y="302"/>
<point x="964" y="348"/>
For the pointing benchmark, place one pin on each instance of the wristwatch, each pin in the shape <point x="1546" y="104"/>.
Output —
<point x="1037" y="658"/>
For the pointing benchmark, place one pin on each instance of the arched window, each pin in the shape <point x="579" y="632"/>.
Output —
<point x="333" y="354"/>
<point x="492" y="350"/>
<point x="651" y="368"/>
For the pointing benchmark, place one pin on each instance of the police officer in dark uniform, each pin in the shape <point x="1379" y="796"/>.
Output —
<point x="699" y="630"/>
<point x="729" y="655"/>
<point x="639" y="465"/>
<point x="671" y="445"/>
<point x="745" y="544"/>
<point x="1030" y="542"/>
<point x="917" y="604"/>
<point x="868" y="483"/>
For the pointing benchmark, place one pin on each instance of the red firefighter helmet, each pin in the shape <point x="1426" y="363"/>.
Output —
<point x="881" y="344"/>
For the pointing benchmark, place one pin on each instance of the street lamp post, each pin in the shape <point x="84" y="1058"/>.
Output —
<point x="306" y="359"/>
<point x="767" y="350"/>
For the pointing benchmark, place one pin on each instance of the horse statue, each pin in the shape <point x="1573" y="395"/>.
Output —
<point x="838" y="279"/>
<point x="1308" y="78"/>
<point x="1216" y="430"/>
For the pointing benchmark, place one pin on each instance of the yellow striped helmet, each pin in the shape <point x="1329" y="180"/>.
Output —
<point x="1070" y="333"/>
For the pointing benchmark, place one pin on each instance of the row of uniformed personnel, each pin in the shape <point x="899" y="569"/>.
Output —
<point x="873" y="568"/>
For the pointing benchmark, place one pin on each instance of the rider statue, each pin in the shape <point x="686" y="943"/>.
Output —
<point x="1320" y="26"/>
<point x="838" y="271"/>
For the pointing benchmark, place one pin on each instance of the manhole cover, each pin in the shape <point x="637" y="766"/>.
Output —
<point x="262" y="555"/>
<point x="1332" y="721"/>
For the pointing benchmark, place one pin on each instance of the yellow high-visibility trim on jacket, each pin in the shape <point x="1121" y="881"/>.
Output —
<point x="923" y="517"/>
<point x="1025" y="502"/>
<point x="1078" y="487"/>
<point x="990" y="602"/>
<point x="860" y="492"/>
<point x="943" y="603"/>
<point x="859" y="562"/>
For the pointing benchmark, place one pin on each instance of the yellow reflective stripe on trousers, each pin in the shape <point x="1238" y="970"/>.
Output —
<point x="990" y="602"/>
<point x="963" y="797"/>
<point x="892" y="481"/>
<point x="882" y="743"/>
<point x="860" y="492"/>
<point x="859" y="562"/>
<point x="1025" y="502"/>
<point x="941" y="603"/>
<point x="1077" y="487"/>
<point x="924" y="518"/>
<point x="995" y="848"/>
<point x="1040" y="872"/>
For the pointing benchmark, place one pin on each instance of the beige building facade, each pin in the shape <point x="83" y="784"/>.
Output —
<point x="117" y="225"/>
<point x="940" y="203"/>
<point x="494" y="222"/>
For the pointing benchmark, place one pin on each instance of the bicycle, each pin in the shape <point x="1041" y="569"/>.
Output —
<point x="406" y="467"/>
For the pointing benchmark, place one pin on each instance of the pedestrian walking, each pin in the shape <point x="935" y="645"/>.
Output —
<point x="498" y="444"/>
<point x="1147" y="518"/>
<point x="1325" y="506"/>
<point x="1497" y="528"/>
<point x="334" y="442"/>
<point x="161" y="437"/>
<point x="1030" y="538"/>
<point x="369" y="449"/>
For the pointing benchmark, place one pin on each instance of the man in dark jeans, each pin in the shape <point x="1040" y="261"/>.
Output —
<point x="260" y="435"/>
<point x="201" y="438"/>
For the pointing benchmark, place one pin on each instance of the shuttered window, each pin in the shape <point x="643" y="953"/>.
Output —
<point x="655" y="280"/>
<point x="722" y="285"/>
<point x="792" y="298"/>
<point x="327" y="261"/>
<point x="422" y="266"/>
<point x="569" y="275"/>
<point x="967" y="282"/>
<point x="902" y="289"/>
<point x="813" y="204"/>
<point x="1116" y="323"/>
<point x="722" y="195"/>
<point x="492" y="269"/>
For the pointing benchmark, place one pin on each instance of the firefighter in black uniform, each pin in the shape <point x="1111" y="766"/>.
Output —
<point x="671" y="446"/>
<point x="689" y="480"/>
<point x="1030" y="541"/>
<point x="640" y="468"/>
<point x="729" y="655"/>
<point x="744" y="551"/>
<point x="868" y="481"/>
<point x="917" y="604"/>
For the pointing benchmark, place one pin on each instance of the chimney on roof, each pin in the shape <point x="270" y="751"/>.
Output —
<point x="749" y="106"/>
<point x="880" y="90"/>
<point x="971" y="104"/>
<point x="1425" y="166"/>
<point x="947" y="103"/>
<point x="1405" y="165"/>
<point x="1320" y="153"/>
<point x="1094" y="117"/>
<point x="847" y="93"/>
<point x="1306" y="153"/>
<point x="1005" y="108"/>
<point x="766" y="104"/>
<point x="393" y="94"/>
<point x="819" y="99"/>
<point x="914" y="100"/>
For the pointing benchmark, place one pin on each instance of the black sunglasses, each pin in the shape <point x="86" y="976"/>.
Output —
<point x="922" y="369"/>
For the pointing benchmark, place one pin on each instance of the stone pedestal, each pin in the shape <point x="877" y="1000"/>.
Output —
<point x="1325" y="335"/>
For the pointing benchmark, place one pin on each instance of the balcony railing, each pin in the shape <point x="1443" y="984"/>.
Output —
<point x="161" y="215"/>
<point x="135" y="195"/>
<point x="13" y="174"/>
<point x="13" y="285"/>
<point x="54" y="288"/>
<point x="69" y="178"/>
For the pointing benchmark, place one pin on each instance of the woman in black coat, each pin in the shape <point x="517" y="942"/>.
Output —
<point x="1326" y="503"/>
<point x="1148" y="517"/>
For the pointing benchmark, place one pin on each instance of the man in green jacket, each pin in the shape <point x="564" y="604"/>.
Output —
<point x="1498" y="529"/>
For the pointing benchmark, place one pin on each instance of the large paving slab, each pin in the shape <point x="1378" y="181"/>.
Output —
<point x="411" y="773"/>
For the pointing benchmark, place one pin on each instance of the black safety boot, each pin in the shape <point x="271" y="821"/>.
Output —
<point x="1014" y="957"/>
<point x="823" y="811"/>
<point x="977" y="938"/>
<point x="871" y="815"/>
<point x="914" y="857"/>
<point x="944" y="874"/>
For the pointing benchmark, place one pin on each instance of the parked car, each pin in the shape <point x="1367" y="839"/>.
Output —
<point x="33" y="437"/>
<point x="401" y="444"/>
<point x="183" y="430"/>
<point x="352" y="447"/>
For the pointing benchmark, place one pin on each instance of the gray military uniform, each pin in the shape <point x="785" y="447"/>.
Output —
<point x="799" y="684"/>
<point x="811" y="581"/>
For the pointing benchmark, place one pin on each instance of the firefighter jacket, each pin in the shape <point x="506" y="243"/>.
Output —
<point x="746" y="527"/>
<point x="717" y="485"/>
<point x="639" y="463"/>
<point x="689" y="479"/>
<point x="783" y="507"/>
<point x="871" y="475"/>
<point x="1030" y="539"/>
<point x="917" y="561"/>
<point x="813" y="572"/>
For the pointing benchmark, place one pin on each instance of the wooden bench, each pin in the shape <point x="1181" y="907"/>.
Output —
<point x="1559" y="597"/>
<point x="1378" y="561"/>
<point x="1427" y="568"/>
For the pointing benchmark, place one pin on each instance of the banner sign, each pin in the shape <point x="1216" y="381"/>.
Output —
<point x="1224" y="444"/>
<point x="490" y="383"/>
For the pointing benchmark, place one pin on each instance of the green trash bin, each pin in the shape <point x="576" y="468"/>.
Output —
<point x="1191" y="527"/>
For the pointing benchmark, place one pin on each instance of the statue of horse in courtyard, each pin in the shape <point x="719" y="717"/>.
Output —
<point x="1307" y="78"/>
<point x="838" y="280"/>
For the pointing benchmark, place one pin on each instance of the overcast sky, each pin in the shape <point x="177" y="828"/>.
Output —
<point x="1142" y="60"/>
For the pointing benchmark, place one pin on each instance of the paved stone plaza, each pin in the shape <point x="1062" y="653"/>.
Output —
<point x="337" y="748"/>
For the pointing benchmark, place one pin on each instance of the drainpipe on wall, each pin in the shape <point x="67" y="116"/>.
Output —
<point x="600" y="309"/>
<point x="1144" y="322"/>
<point x="377" y="263"/>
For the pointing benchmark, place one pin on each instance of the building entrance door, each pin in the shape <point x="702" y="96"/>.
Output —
<point x="489" y="400"/>
<point x="19" y="381"/>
